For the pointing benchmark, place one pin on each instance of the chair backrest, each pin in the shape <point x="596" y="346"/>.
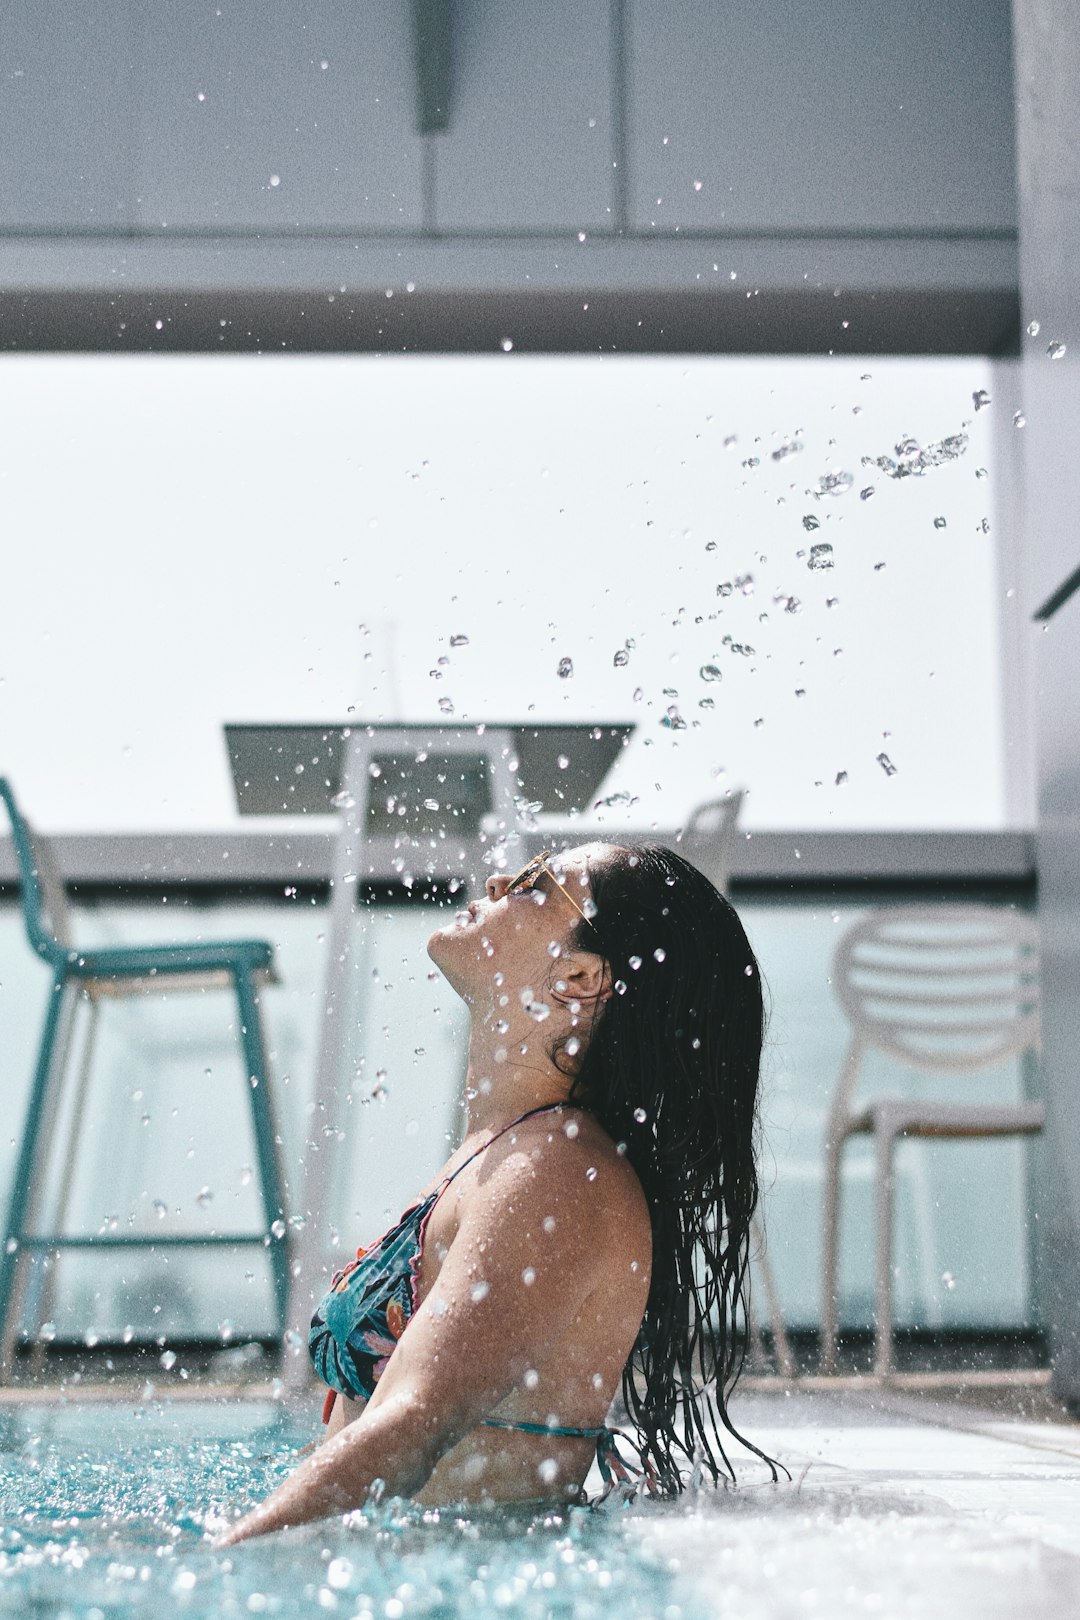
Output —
<point x="949" y="988"/>
<point x="708" y="839"/>
<point x="45" y="909"/>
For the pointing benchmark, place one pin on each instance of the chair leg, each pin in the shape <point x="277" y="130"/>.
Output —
<point x="884" y="1143"/>
<point x="785" y="1361"/>
<point x="26" y="1183"/>
<point x="266" y="1140"/>
<point x="830" y="1242"/>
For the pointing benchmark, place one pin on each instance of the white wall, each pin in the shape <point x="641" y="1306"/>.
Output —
<point x="193" y="541"/>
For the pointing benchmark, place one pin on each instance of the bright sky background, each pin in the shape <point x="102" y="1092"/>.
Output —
<point x="194" y="540"/>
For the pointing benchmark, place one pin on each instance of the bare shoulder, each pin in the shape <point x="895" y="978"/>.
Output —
<point x="566" y="1165"/>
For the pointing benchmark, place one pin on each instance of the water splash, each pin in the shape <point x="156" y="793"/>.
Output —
<point x="821" y="556"/>
<point x="912" y="460"/>
<point x="833" y="483"/>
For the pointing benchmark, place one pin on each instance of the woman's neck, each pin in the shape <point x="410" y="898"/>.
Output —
<point x="506" y="1078"/>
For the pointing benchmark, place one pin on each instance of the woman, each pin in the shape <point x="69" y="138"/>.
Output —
<point x="592" y="1228"/>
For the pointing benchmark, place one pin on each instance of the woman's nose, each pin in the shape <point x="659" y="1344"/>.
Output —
<point x="496" y="885"/>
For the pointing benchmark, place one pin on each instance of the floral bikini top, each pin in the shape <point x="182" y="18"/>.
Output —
<point x="356" y="1327"/>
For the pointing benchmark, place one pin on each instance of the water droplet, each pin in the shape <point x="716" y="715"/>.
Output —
<point x="710" y="672"/>
<point x="672" y="719"/>
<point x="834" y="483"/>
<point x="277" y="1229"/>
<point x="640" y="1115"/>
<point x="980" y="399"/>
<point x="620" y="987"/>
<point x="506" y="345"/>
<point x="912" y="460"/>
<point x="531" y="1378"/>
<point x="502" y="1027"/>
<point x="939" y="523"/>
<point x="590" y="1174"/>
<point x="565" y="668"/>
<point x="446" y="705"/>
<point x="841" y="778"/>
<point x="659" y="955"/>
<point x="886" y="764"/>
<point x="339" y="1570"/>
<point x="47" y="1332"/>
<point x="479" y="1291"/>
<point x="571" y="1128"/>
<point x="528" y="1276"/>
<point x="811" y="522"/>
<point x="1055" y="350"/>
<point x="867" y="493"/>
<point x="1032" y="328"/>
<point x="562" y="762"/>
<point x="621" y="658"/>
<point x="635" y="963"/>
<point x="821" y="556"/>
<point x="159" y="1209"/>
<point x="203" y="1197"/>
<point x="459" y="641"/>
<point x="783" y="451"/>
<point x="535" y="1009"/>
<point x="275" y="179"/>
<point x="168" y="1360"/>
<point x="1019" y="419"/>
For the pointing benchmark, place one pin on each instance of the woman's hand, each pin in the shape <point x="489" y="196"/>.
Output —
<point x="508" y="1289"/>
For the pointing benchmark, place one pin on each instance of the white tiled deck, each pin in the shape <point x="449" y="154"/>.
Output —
<point x="899" y="1505"/>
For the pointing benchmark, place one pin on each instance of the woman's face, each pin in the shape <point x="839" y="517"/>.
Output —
<point x="511" y="942"/>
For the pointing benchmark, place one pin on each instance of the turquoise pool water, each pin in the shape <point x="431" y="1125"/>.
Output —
<point x="105" y="1510"/>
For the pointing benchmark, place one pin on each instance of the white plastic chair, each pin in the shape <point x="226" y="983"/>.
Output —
<point x="948" y="989"/>
<point x="708" y="839"/>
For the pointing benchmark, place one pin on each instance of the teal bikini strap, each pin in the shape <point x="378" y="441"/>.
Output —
<point x="546" y="1428"/>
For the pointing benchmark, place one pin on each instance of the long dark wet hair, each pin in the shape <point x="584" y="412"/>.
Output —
<point x="671" y="1069"/>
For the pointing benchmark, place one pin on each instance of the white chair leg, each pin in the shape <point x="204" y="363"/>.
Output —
<point x="830" y="1241"/>
<point x="884" y="1143"/>
<point x="785" y="1361"/>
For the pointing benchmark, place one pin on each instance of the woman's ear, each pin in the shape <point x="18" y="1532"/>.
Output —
<point x="587" y="978"/>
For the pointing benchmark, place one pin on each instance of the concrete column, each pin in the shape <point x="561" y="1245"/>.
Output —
<point x="1047" y="54"/>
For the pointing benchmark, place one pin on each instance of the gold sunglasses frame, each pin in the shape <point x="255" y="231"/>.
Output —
<point x="526" y="880"/>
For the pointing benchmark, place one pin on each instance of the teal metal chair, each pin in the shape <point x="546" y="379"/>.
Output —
<point x="115" y="971"/>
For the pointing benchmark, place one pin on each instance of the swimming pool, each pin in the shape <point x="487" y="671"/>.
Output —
<point x="104" y="1513"/>
<point x="105" y="1509"/>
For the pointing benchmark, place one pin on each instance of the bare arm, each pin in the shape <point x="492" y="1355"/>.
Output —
<point x="469" y="1344"/>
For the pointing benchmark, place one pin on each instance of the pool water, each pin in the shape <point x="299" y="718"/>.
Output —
<point x="106" y="1511"/>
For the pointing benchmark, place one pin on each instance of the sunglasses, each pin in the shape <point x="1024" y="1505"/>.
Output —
<point x="531" y="874"/>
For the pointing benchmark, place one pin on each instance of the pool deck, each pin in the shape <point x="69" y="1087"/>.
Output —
<point x="967" y="1461"/>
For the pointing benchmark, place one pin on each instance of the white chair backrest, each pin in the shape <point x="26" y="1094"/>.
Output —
<point x="708" y="839"/>
<point x="949" y="988"/>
